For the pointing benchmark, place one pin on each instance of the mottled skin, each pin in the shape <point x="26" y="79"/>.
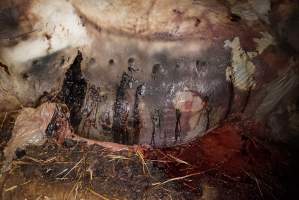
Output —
<point x="198" y="61"/>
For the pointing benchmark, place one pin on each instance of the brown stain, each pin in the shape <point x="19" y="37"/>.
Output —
<point x="269" y="66"/>
<point x="5" y="68"/>
<point x="48" y="38"/>
<point x="19" y="21"/>
<point x="197" y="21"/>
<point x="232" y="153"/>
<point x="224" y="29"/>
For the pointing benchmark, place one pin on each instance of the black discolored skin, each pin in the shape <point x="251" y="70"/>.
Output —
<point x="73" y="91"/>
<point x="121" y="113"/>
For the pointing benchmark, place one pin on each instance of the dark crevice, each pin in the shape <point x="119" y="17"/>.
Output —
<point x="208" y="118"/>
<point x="234" y="17"/>
<point x="153" y="134"/>
<point x="20" y="153"/>
<point x="197" y="22"/>
<point x="7" y="123"/>
<point x="25" y="76"/>
<point x="6" y="126"/>
<point x="155" y="121"/>
<point x="208" y="109"/>
<point x="156" y="70"/>
<point x="111" y="62"/>
<point x="5" y="68"/>
<point x="178" y="128"/>
<point x="73" y="91"/>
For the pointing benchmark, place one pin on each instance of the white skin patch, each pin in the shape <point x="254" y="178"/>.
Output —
<point x="242" y="69"/>
<point x="58" y="20"/>
<point x="264" y="42"/>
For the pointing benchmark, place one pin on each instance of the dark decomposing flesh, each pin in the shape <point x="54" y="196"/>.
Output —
<point x="73" y="90"/>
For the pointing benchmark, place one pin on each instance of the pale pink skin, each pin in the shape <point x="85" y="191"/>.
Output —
<point x="109" y="145"/>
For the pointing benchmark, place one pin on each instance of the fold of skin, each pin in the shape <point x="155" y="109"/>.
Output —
<point x="164" y="72"/>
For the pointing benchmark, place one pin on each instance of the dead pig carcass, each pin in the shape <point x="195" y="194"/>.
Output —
<point x="155" y="72"/>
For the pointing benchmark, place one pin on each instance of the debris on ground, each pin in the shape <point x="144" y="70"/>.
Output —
<point x="77" y="171"/>
<point x="29" y="129"/>
<point x="230" y="162"/>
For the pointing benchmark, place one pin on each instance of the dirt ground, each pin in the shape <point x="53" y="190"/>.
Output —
<point x="230" y="162"/>
<point x="75" y="171"/>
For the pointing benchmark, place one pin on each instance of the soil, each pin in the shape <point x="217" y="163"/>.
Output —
<point x="233" y="161"/>
<point x="77" y="171"/>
